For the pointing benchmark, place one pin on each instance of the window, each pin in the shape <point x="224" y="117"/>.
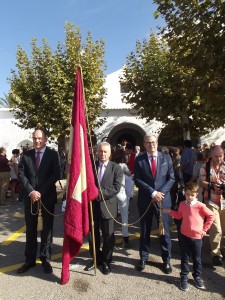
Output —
<point x="124" y="88"/>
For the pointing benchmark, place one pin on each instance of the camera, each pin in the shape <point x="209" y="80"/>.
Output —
<point x="219" y="185"/>
<point x="222" y="187"/>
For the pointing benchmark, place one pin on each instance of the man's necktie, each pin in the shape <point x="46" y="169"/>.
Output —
<point x="153" y="163"/>
<point x="101" y="173"/>
<point x="37" y="159"/>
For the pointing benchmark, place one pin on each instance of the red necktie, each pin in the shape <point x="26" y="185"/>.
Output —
<point x="153" y="163"/>
<point x="37" y="159"/>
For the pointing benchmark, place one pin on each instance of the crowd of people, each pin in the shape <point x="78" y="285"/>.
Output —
<point x="10" y="188"/>
<point x="9" y="176"/>
<point x="185" y="183"/>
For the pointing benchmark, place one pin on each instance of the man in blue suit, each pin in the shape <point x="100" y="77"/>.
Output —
<point x="154" y="177"/>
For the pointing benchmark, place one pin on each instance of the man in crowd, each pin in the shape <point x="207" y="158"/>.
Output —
<point x="154" y="177"/>
<point x="187" y="161"/>
<point x="212" y="180"/>
<point x="39" y="170"/>
<point x="109" y="181"/>
<point x="130" y="157"/>
<point x="4" y="176"/>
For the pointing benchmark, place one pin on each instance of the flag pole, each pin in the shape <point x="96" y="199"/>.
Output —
<point x="93" y="237"/>
<point x="90" y="203"/>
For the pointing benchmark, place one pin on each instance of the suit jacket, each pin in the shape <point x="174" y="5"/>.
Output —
<point x="146" y="182"/>
<point x="43" y="179"/>
<point x="110" y="186"/>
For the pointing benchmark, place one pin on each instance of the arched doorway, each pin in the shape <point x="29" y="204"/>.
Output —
<point x="128" y="137"/>
<point x="127" y="131"/>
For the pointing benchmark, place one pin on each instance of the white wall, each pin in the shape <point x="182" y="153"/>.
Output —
<point x="12" y="136"/>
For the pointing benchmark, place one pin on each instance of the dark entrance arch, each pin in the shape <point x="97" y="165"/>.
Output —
<point x="128" y="137"/>
<point x="127" y="131"/>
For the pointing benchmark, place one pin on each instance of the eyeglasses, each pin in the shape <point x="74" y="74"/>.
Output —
<point x="150" y="143"/>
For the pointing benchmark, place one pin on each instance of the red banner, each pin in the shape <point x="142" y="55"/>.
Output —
<point x="81" y="184"/>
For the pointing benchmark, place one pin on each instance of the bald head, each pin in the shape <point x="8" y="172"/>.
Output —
<point x="217" y="155"/>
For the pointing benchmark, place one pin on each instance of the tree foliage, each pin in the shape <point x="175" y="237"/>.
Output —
<point x="42" y="87"/>
<point x="159" y="87"/>
<point x="179" y="76"/>
<point x="4" y="102"/>
<point x="195" y="32"/>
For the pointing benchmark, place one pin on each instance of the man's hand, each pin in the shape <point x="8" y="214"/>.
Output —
<point x="217" y="188"/>
<point x="35" y="196"/>
<point x="158" y="197"/>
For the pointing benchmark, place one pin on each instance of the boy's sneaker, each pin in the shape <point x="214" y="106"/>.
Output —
<point x="184" y="284"/>
<point x="199" y="283"/>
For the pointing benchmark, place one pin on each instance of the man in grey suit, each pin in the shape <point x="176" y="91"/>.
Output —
<point x="39" y="170"/>
<point x="154" y="177"/>
<point x="108" y="179"/>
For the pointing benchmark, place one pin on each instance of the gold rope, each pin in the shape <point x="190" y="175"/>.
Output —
<point x="40" y="203"/>
<point x="39" y="213"/>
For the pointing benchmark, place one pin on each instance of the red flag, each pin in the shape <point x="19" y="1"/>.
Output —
<point x="81" y="184"/>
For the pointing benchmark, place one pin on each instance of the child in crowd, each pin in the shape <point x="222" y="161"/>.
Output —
<point x="196" y="220"/>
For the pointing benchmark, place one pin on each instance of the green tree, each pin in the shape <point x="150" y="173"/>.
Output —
<point x="4" y="102"/>
<point x="42" y="87"/>
<point x="195" y="32"/>
<point x="159" y="87"/>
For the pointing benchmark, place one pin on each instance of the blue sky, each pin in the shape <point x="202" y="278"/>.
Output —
<point x="119" y="22"/>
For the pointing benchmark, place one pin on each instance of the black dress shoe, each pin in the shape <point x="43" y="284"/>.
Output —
<point x="47" y="267"/>
<point x="217" y="261"/>
<point x="91" y="266"/>
<point x="140" y="265"/>
<point x="106" y="268"/>
<point x="25" y="267"/>
<point x="167" y="268"/>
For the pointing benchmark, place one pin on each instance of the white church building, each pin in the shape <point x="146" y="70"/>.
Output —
<point x="121" y="123"/>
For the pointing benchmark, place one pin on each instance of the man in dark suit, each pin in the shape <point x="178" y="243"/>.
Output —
<point x="154" y="177"/>
<point x="108" y="179"/>
<point x="39" y="170"/>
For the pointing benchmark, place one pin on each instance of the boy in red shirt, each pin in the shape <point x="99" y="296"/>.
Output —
<point x="196" y="220"/>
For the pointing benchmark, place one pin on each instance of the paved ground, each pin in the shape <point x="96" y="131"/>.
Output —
<point x="123" y="283"/>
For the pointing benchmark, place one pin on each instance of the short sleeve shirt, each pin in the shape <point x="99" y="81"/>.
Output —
<point x="216" y="176"/>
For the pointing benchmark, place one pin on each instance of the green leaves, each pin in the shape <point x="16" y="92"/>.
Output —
<point x="42" y="87"/>
<point x="178" y="75"/>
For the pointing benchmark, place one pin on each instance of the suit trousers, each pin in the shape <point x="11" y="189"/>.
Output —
<point x="107" y="228"/>
<point x="146" y="227"/>
<point x="31" y="220"/>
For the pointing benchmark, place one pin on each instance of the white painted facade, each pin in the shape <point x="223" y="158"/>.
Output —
<point x="120" y="119"/>
<point x="11" y="135"/>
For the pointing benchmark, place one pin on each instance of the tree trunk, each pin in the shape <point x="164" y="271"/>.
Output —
<point x="186" y="126"/>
